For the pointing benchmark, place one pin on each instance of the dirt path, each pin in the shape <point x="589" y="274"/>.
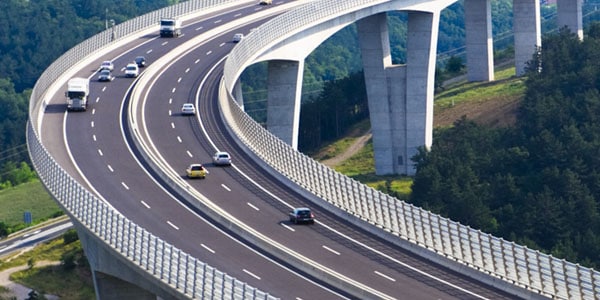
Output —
<point x="353" y="149"/>
<point x="19" y="291"/>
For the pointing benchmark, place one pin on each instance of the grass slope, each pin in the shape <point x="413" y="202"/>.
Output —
<point x="31" y="197"/>
<point x="70" y="284"/>
<point x="487" y="103"/>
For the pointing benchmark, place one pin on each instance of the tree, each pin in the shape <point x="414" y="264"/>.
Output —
<point x="454" y="65"/>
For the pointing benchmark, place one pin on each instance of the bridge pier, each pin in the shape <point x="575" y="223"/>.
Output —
<point x="400" y="97"/>
<point x="284" y="87"/>
<point x="527" y="28"/>
<point x="479" y="40"/>
<point x="569" y="14"/>
<point x="117" y="278"/>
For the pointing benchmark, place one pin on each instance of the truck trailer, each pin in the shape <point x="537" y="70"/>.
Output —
<point x="170" y="27"/>
<point x="78" y="90"/>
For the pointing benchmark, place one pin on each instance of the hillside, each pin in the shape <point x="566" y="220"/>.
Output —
<point x="491" y="104"/>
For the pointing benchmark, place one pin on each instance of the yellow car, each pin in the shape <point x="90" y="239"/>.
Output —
<point x="196" y="171"/>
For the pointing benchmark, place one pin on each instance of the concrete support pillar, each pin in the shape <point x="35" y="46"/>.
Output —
<point x="375" y="51"/>
<point x="421" y="45"/>
<point x="283" y="99"/>
<point x="479" y="40"/>
<point x="400" y="97"/>
<point x="109" y="287"/>
<point x="569" y="14"/>
<point x="527" y="28"/>
<point x="115" y="277"/>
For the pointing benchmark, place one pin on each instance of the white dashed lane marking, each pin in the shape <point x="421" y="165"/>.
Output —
<point x="331" y="250"/>
<point x="254" y="207"/>
<point x="251" y="274"/>
<point x="172" y="225"/>
<point x="208" y="249"/>
<point x="385" y="276"/>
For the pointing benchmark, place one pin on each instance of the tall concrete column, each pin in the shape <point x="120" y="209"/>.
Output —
<point x="283" y="99"/>
<point x="374" y="43"/>
<point x="479" y="40"/>
<point x="117" y="278"/>
<point x="527" y="28"/>
<point x="569" y="14"/>
<point x="421" y="46"/>
<point x="400" y="97"/>
<point x="109" y="287"/>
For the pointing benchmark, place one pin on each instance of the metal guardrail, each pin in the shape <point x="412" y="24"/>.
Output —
<point x="185" y="274"/>
<point x="494" y="256"/>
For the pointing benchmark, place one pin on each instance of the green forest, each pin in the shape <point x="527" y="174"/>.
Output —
<point x="535" y="183"/>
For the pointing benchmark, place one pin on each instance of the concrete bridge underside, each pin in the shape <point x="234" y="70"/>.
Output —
<point x="400" y="97"/>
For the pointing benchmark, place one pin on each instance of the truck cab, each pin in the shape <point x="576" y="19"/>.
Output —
<point x="170" y="27"/>
<point x="77" y="93"/>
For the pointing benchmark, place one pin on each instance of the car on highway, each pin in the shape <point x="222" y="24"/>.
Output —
<point x="188" y="109"/>
<point x="140" y="61"/>
<point x="265" y="2"/>
<point x="222" y="158"/>
<point x="105" y="75"/>
<point x="107" y="65"/>
<point x="302" y="215"/>
<point x="196" y="171"/>
<point x="237" y="37"/>
<point x="132" y="70"/>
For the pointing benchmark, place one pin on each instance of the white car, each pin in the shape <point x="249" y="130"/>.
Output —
<point x="188" y="109"/>
<point x="222" y="158"/>
<point x="265" y="2"/>
<point x="237" y="37"/>
<point x="107" y="65"/>
<point x="132" y="70"/>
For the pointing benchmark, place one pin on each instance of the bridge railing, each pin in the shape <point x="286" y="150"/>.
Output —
<point x="165" y="263"/>
<point x="496" y="257"/>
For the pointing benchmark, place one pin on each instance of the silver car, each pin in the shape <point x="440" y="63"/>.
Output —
<point x="107" y="65"/>
<point x="188" y="109"/>
<point x="222" y="158"/>
<point x="237" y="37"/>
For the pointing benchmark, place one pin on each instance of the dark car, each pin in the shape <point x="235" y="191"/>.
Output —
<point x="105" y="75"/>
<point x="140" y="61"/>
<point x="302" y="215"/>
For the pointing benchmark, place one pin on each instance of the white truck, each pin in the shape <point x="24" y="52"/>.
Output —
<point x="78" y="90"/>
<point x="170" y="27"/>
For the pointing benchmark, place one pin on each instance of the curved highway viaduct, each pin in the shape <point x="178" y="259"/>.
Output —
<point x="400" y="96"/>
<point x="166" y="271"/>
